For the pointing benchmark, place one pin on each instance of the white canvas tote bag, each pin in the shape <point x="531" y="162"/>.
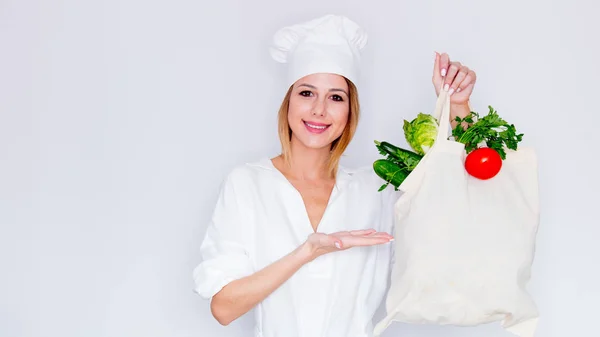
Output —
<point x="463" y="246"/>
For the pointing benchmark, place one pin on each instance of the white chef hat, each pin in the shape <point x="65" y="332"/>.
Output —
<point x="329" y="44"/>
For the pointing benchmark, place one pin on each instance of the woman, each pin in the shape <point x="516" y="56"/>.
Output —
<point x="297" y="237"/>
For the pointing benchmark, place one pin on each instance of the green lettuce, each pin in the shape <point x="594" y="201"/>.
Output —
<point x="420" y="133"/>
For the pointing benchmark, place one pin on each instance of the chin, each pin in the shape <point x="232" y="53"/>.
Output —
<point x="316" y="143"/>
<point x="318" y="146"/>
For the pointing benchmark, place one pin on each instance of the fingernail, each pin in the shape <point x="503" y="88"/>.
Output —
<point x="458" y="90"/>
<point x="443" y="72"/>
<point x="337" y="245"/>
<point x="451" y="92"/>
<point x="446" y="87"/>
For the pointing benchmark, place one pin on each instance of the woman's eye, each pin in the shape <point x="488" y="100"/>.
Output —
<point x="305" y="93"/>
<point x="337" y="98"/>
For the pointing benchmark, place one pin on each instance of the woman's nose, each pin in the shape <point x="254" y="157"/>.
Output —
<point x="319" y="108"/>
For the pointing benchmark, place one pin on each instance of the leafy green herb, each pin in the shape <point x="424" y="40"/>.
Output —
<point x="492" y="130"/>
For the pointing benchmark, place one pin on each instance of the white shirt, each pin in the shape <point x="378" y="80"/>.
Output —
<point x="260" y="217"/>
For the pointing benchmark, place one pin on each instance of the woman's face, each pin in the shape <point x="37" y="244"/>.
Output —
<point x="318" y="110"/>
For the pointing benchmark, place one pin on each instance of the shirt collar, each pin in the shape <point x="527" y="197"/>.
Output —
<point x="344" y="174"/>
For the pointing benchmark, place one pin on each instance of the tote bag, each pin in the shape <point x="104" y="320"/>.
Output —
<point x="464" y="247"/>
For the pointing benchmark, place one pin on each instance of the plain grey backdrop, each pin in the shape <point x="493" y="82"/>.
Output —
<point x="120" y="118"/>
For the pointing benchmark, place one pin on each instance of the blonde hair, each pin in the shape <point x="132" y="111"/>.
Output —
<point x="338" y="146"/>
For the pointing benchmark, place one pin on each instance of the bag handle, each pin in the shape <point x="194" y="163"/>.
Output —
<point x="442" y="114"/>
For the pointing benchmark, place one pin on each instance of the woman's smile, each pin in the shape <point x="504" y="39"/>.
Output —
<point x="315" y="127"/>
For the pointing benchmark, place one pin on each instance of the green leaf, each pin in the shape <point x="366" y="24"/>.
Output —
<point x="485" y="129"/>
<point x="420" y="133"/>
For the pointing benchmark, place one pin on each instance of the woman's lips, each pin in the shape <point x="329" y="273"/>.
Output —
<point x="315" y="127"/>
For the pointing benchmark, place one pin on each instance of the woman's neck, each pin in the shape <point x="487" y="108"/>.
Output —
<point x="307" y="163"/>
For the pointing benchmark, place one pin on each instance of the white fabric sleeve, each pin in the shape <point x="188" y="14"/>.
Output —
<point x="224" y="250"/>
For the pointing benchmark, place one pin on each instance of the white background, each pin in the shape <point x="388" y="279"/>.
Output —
<point x="119" y="118"/>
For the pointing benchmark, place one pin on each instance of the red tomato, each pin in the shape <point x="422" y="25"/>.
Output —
<point x="483" y="163"/>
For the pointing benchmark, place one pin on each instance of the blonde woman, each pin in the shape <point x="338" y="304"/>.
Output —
<point x="299" y="238"/>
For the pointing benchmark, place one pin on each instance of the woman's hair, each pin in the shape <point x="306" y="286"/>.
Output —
<point x="338" y="146"/>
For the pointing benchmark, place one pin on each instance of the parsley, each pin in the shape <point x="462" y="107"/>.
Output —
<point x="491" y="129"/>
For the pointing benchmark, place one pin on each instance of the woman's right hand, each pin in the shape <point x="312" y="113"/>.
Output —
<point x="321" y="243"/>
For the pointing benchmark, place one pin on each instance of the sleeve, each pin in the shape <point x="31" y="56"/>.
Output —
<point x="224" y="249"/>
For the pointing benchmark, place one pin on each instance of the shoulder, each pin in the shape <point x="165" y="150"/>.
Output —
<point x="249" y="173"/>
<point x="362" y="175"/>
<point x="368" y="182"/>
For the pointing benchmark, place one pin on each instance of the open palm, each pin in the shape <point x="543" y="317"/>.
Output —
<point x="322" y="243"/>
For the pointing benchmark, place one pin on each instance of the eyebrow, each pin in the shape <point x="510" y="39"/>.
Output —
<point x="332" y="89"/>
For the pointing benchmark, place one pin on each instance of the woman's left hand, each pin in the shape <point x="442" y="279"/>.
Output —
<point x="457" y="79"/>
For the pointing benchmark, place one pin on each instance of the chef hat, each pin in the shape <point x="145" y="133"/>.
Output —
<point x="329" y="44"/>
